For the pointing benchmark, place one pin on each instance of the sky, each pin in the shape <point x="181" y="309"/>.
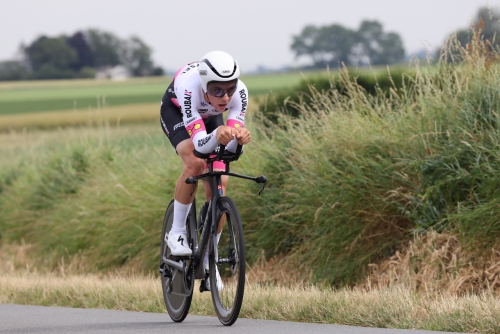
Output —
<point x="255" y="32"/>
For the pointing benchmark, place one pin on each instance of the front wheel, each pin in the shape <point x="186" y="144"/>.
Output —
<point x="175" y="295"/>
<point x="227" y="264"/>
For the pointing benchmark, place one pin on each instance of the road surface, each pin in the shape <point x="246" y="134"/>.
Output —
<point x="44" y="319"/>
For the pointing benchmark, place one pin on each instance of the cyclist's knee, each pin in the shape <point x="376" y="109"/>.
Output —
<point x="193" y="165"/>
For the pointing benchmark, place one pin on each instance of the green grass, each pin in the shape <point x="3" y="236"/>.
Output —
<point x="396" y="307"/>
<point x="66" y="195"/>
<point x="78" y="94"/>
<point x="350" y="180"/>
<point x="51" y="95"/>
<point x="355" y="174"/>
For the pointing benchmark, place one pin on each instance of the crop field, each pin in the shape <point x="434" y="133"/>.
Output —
<point x="77" y="95"/>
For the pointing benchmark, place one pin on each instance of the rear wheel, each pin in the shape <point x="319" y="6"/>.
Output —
<point x="229" y="261"/>
<point x="176" y="295"/>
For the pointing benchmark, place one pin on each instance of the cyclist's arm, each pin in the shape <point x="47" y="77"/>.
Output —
<point x="188" y="100"/>
<point x="236" y="116"/>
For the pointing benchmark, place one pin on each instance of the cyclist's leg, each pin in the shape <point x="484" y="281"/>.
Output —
<point x="191" y="166"/>
<point x="173" y="127"/>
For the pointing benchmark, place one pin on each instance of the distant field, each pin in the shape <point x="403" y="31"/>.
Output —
<point x="131" y="113"/>
<point x="79" y="95"/>
<point x="27" y="97"/>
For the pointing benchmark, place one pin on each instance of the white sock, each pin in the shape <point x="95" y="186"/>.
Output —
<point x="181" y="212"/>
<point x="205" y="259"/>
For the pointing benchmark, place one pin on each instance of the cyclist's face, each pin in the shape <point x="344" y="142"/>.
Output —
<point x="220" y="93"/>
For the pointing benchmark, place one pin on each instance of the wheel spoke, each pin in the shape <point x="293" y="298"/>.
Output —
<point x="228" y="297"/>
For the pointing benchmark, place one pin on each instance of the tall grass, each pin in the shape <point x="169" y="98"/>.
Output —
<point x="82" y="195"/>
<point x="95" y="192"/>
<point x="372" y="305"/>
<point x="355" y="174"/>
<point x="350" y="180"/>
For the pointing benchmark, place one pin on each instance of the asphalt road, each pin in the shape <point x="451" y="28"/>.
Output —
<point x="44" y="319"/>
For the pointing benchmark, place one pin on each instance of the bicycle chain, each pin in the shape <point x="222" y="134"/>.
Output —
<point x="188" y="289"/>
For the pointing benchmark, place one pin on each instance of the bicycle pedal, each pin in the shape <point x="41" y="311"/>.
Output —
<point x="203" y="287"/>
<point x="165" y="273"/>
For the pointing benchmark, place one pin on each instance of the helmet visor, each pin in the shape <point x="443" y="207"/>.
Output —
<point x="221" y="88"/>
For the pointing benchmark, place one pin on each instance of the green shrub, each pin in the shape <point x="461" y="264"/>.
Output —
<point x="87" y="72"/>
<point x="373" y="82"/>
<point x="358" y="173"/>
<point x="352" y="176"/>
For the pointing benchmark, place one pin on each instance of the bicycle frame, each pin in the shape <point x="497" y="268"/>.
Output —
<point x="199" y="246"/>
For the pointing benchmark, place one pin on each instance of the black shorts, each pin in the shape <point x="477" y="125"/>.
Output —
<point x="172" y="123"/>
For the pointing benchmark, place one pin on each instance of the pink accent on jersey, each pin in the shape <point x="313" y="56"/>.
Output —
<point x="234" y="123"/>
<point x="174" y="101"/>
<point x="180" y="71"/>
<point x="195" y="127"/>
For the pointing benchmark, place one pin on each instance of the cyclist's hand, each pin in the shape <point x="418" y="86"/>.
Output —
<point x="242" y="135"/>
<point x="225" y="134"/>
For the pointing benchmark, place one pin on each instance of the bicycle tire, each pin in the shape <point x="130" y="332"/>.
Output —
<point x="230" y="264"/>
<point x="177" y="301"/>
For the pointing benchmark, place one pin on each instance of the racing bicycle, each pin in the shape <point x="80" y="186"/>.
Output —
<point x="220" y="229"/>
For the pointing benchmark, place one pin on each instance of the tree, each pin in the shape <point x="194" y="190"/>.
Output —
<point x="376" y="47"/>
<point x="85" y="55"/>
<point x="133" y="53"/>
<point x="79" y="56"/>
<point x="12" y="70"/>
<point x="334" y="45"/>
<point x="136" y="56"/>
<point x="486" y="23"/>
<point x="105" y="47"/>
<point x="51" y="52"/>
<point x="329" y="45"/>
<point x="304" y="44"/>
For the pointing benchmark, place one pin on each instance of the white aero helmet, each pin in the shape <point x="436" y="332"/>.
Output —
<point x="217" y="66"/>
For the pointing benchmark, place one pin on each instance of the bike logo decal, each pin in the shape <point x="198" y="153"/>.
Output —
<point x="244" y="100"/>
<point x="203" y="141"/>
<point x="187" y="104"/>
<point x="178" y="125"/>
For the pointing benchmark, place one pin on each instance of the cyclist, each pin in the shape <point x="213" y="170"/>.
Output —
<point x="191" y="117"/>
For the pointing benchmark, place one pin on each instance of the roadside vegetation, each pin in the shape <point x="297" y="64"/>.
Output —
<point x="394" y="307"/>
<point x="381" y="208"/>
<point x="397" y="306"/>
